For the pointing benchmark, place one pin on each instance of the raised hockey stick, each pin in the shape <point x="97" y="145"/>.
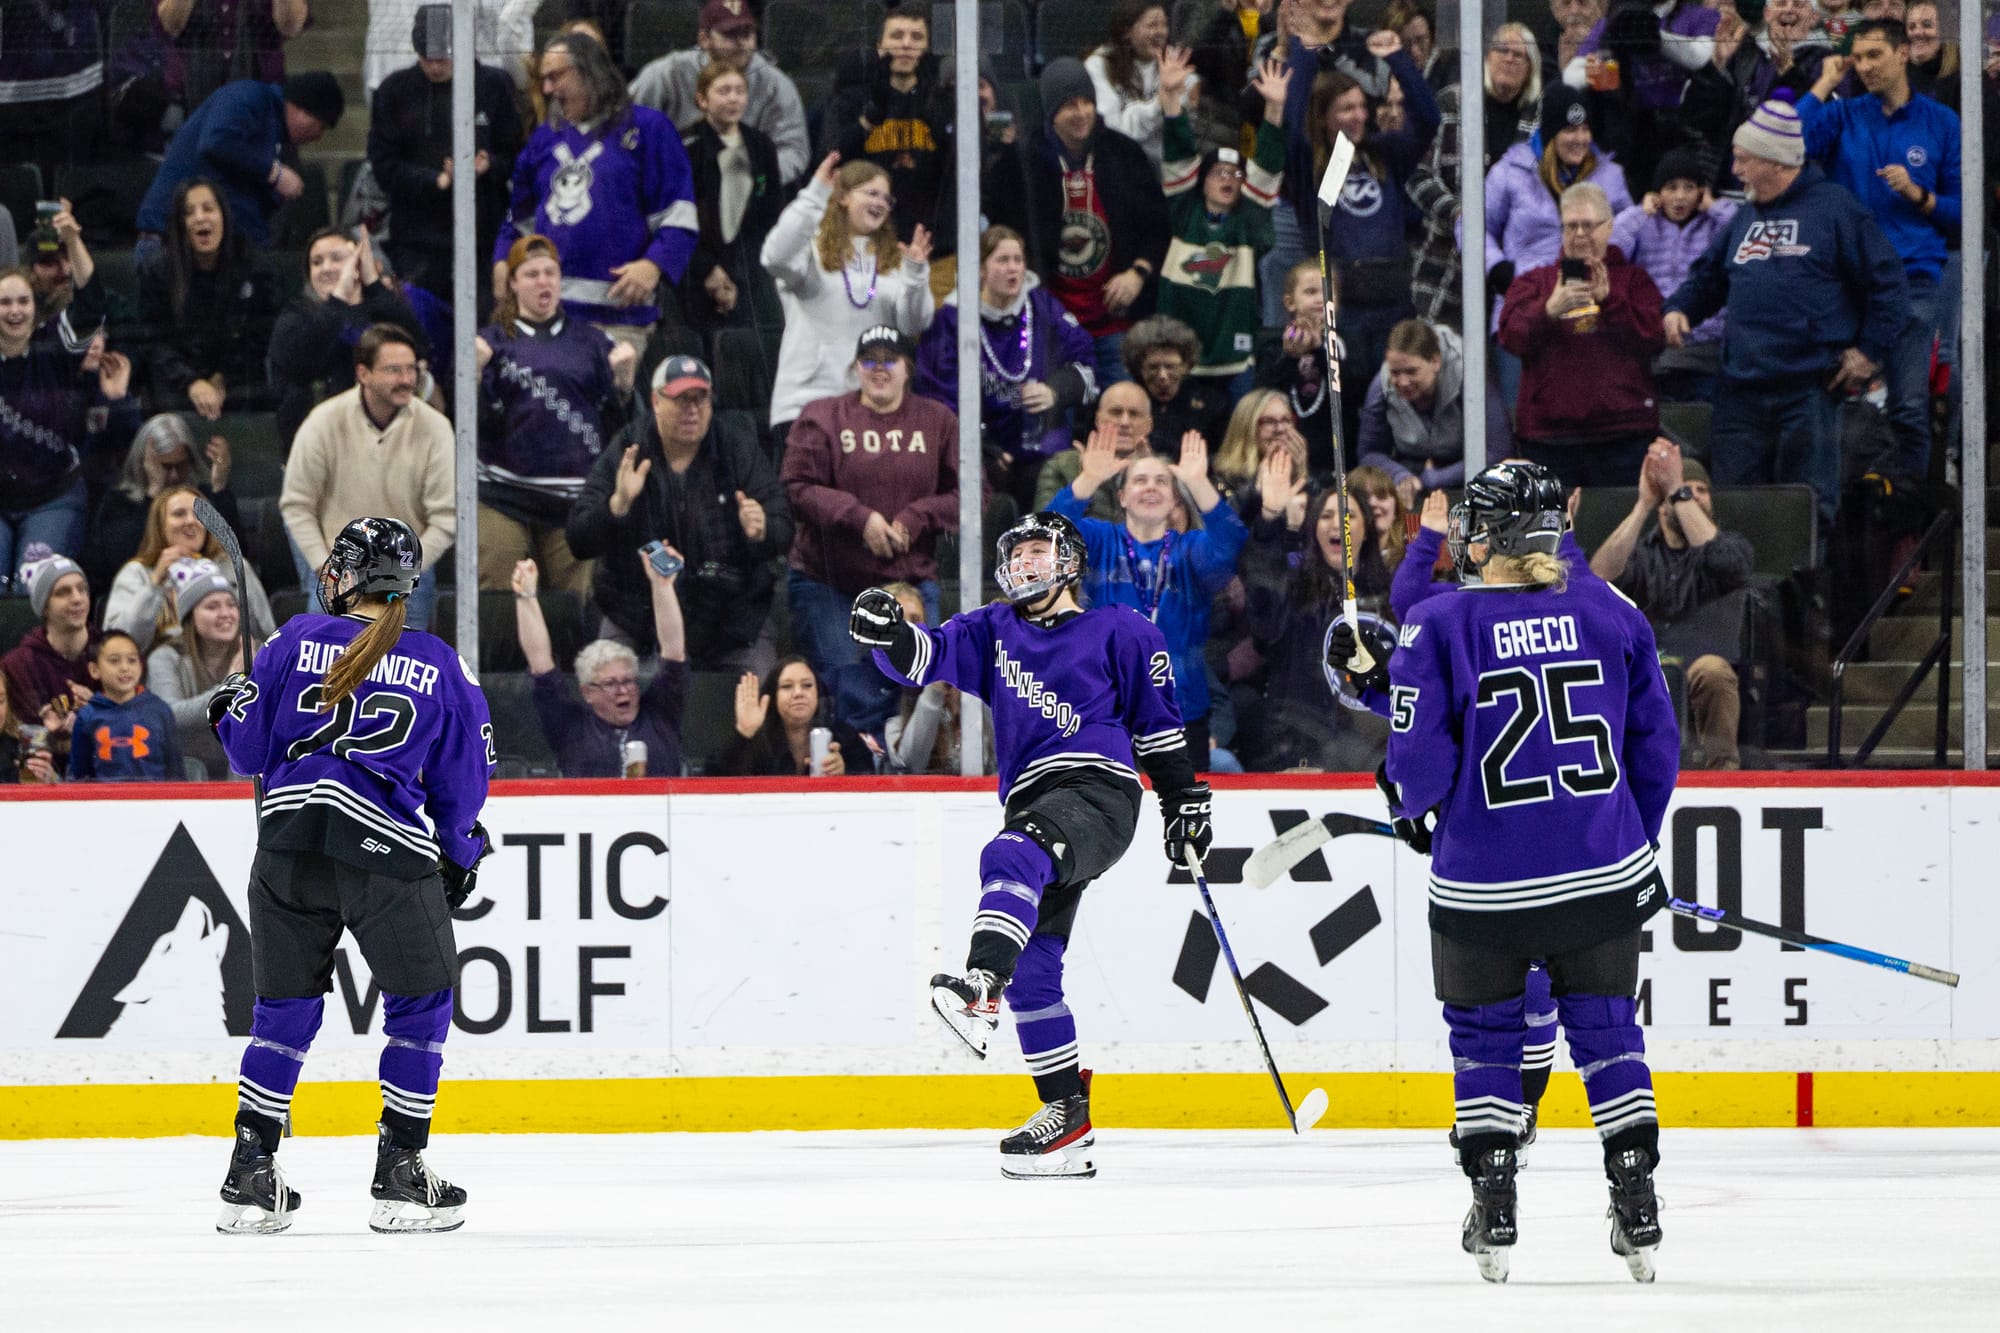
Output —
<point x="1330" y="182"/>
<point x="1275" y="859"/>
<point x="1722" y="916"/>
<point x="1314" y="1106"/>
<point x="225" y="536"/>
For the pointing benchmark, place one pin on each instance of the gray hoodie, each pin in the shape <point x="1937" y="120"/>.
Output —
<point x="667" y="84"/>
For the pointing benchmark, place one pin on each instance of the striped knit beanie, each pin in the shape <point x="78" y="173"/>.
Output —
<point x="1774" y="134"/>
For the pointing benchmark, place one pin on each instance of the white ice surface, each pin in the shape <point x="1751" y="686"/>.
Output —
<point x="1765" y="1230"/>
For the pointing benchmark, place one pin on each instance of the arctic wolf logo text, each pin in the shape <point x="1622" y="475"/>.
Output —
<point x="178" y="965"/>
<point x="1766" y="240"/>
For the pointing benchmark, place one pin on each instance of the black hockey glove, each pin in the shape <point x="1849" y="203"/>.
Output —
<point x="876" y="619"/>
<point x="1416" y="832"/>
<point x="234" y="686"/>
<point x="1341" y="646"/>
<point x="460" y="881"/>
<point x="1186" y="814"/>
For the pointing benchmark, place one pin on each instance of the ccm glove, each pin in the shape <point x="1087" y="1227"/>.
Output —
<point x="460" y="881"/>
<point x="235" y="686"/>
<point x="876" y="620"/>
<point x="1341" y="646"/>
<point x="1186" y="813"/>
<point x="1416" y="832"/>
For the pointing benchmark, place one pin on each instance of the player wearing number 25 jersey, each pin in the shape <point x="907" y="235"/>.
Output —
<point x="374" y="747"/>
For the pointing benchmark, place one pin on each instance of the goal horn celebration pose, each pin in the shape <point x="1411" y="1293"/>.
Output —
<point x="1532" y="751"/>
<point x="375" y="749"/>
<point x="1076" y="696"/>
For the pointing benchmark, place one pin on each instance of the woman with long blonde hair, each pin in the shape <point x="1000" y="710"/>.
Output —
<point x="141" y="601"/>
<point x="840" y="270"/>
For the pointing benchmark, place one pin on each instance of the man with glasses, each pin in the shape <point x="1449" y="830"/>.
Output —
<point x="700" y="482"/>
<point x="1586" y="328"/>
<point x="1125" y="418"/>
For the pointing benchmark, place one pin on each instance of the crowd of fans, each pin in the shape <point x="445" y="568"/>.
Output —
<point x="719" y="338"/>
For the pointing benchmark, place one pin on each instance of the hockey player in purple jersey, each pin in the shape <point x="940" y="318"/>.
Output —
<point x="374" y="749"/>
<point x="1076" y="696"/>
<point x="1532" y="751"/>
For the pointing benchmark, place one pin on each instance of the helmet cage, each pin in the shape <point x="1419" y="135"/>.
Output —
<point x="1066" y="557"/>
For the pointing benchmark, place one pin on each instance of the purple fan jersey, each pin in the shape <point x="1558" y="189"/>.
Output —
<point x="1539" y="724"/>
<point x="387" y="780"/>
<point x="1091" y="692"/>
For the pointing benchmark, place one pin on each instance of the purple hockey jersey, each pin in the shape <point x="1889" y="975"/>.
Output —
<point x="1093" y="692"/>
<point x="387" y="780"/>
<point x="1540" y="725"/>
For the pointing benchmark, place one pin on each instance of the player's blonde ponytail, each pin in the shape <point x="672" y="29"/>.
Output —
<point x="1545" y="570"/>
<point x="369" y="647"/>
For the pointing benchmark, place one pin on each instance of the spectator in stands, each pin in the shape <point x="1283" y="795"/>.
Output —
<point x="1223" y="52"/>
<point x="1382" y="533"/>
<point x="1816" y="301"/>
<point x="702" y="483"/>
<point x="552" y="391"/>
<point x="727" y="35"/>
<point x="1933" y="60"/>
<point x="52" y="83"/>
<point x="503" y="35"/>
<point x="839" y="227"/>
<point x="589" y="738"/>
<point x="609" y="183"/>
<point x="1036" y="364"/>
<point x="923" y="736"/>
<point x="24" y="758"/>
<point x="1898" y="153"/>
<point x="10" y="244"/>
<point x="124" y="734"/>
<point x="777" y="742"/>
<point x="50" y="667"/>
<point x="1367" y="232"/>
<point x="1124" y="422"/>
<point x="50" y="272"/>
<point x="183" y="671"/>
<point x="873" y="479"/>
<point x="1413" y="417"/>
<point x="1664" y="235"/>
<point x="374" y="449"/>
<point x="1586" y="330"/>
<point x="1090" y="204"/>
<point x="207" y="304"/>
<point x="144" y="597"/>
<point x="216" y="41"/>
<point x="1132" y="66"/>
<point x="1168" y="576"/>
<point x="1221" y="209"/>
<point x="738" y="194"/>
<point x="1160" y="352"/>
<point x="1511" y="106"/>
<point x="410" y="152"/>
<point x="1295" y="364"/>
<point x="245" y="138"/>
<point x="1574" y="20"/>
<point x="1638" y="60"/>
<point x="163" y="454"/>
<point x="1261" y="425"/>
<point x="899" y="116"/>
<point x="1784" y="57"/>
<point x="1415" y="23"/>
<point x="1669" y="557"/>
<point x="346" y="293"/>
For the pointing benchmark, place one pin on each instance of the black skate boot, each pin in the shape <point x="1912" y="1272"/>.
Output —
<point x="1635" y="1211"/>
<point x="256" y="1201"/>
<point x="409" y="1196"/>
<point x="1528" y="1123"/>
<point x="1488" y="1234"/>
<point x="1057" y="1143"/>
<point x="969" y="1006"/>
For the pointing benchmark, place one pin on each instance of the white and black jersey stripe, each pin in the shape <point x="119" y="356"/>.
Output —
<point x="1521" y="894"/>
<point x="999" y="923"/>
<point x="254" y="1096"/>
<point x="1159" y="742"/>
<point x="1048" y="1062"/>
<point x="1069" y="761"/>
<point x="1622" y="1112"/>
<point x="416" y="1105"/>
<point x="326" y="792"/>
<point x="1489" y="1115"/>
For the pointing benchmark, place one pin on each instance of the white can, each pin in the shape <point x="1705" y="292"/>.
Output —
<point x="634" y="755"/>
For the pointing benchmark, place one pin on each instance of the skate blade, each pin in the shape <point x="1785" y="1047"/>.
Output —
<point x="1640" y="1263"/>
<point x="397" y="1217"/>
<point x="1078" y="1161"/>
<point x="968" y="1028"/>
<point x="1494" y="1264"/>
<point x="247" y="1219"/>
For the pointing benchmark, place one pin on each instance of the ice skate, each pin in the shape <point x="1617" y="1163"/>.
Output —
<point x="1528" y="1123"/>
<point x="256" y="1201"/>
<point x="1634" y="1213"/>
<point x="409" y="1196"/>
<point x="1488" y="1234"/>
<point x="969" y="1006"/>
<point x="1057" y="1143"/>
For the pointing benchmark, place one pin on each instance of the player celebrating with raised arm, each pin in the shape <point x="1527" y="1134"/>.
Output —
<point x="1529" y="717"/>
<point x="1076" y="696"/>
<point x="375" y="749"/>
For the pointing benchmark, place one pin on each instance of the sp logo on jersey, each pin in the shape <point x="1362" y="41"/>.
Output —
<point x="1770" y="240"/>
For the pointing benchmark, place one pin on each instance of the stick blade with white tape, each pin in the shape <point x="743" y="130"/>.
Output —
<point x="1335" y="176"/>
<point x="1311" y="1107"/>
<point x="1275" y="859"/>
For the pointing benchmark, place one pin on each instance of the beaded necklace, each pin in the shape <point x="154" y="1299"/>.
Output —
<point x="992" y="358"/>
<point x="847" y="280"/>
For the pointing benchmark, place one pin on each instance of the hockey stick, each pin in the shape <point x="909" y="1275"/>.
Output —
<point x="1338" y="161"/>
<point x="1275" y="859"/>
<point x="1722" y="916"/>
<point x="1314" y="1106"/>
<point x="225" y="536"/>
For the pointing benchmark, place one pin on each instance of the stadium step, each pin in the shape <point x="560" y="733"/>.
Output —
<point x="1912" y="728"/>
<point x="1877" y="682"/>
<point x="1930" y="586"/>
<point x="1905" y="638"/>
<point x="335" y="41"/>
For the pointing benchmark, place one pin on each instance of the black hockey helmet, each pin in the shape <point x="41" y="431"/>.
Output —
<point x="1065" y="544"/>
<point x="372" y="557"/>
<point x="1515" y="509"/>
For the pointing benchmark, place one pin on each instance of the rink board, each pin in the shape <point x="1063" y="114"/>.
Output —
<point x="658" y="956"/>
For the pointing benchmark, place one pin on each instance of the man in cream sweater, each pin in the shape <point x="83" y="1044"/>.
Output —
<point x="375" y="449"/>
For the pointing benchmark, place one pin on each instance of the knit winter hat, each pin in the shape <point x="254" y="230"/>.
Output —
<point x="1562" y="108"/>
<point x="1693" y="471"/>
<point x="317" y="93"/>
<point x="430" y="33"/>
<point x="193" y="581"/>
<point x="1773" y="133"/>
<point x="1682" y="164"/>
<point x="1064" y="80"/>
<point x="41" y="571"/>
